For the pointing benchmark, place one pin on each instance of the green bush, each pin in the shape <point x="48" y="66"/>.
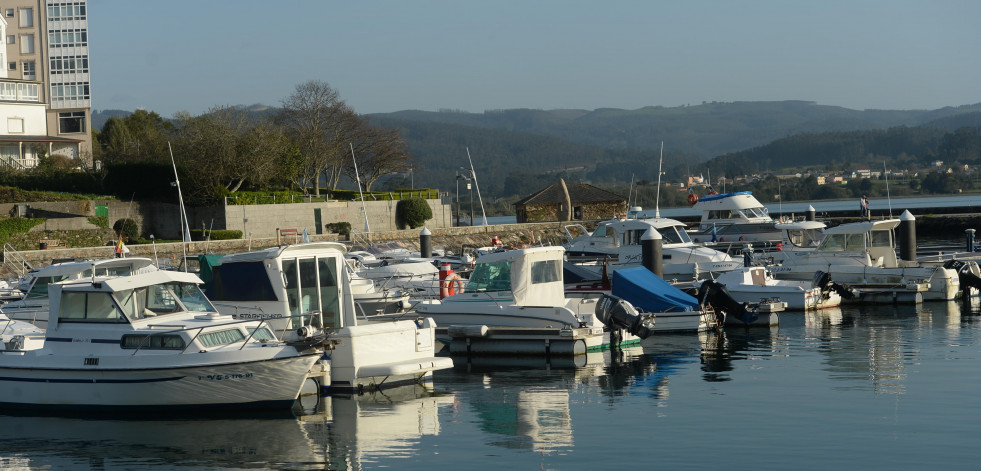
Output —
<point x="101" y="221"/>
<point x="343" y="227"/>
<point x="128" y="229"/>
<point x="11" y="226"/>
<point x="412" y="213"/>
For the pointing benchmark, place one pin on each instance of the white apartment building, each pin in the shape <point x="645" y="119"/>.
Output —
<point x="45" y="100"/>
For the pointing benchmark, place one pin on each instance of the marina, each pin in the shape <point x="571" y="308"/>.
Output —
<point x="849" y="387"/>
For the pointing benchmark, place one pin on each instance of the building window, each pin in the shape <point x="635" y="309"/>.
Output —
<point x="72" y="122"/>
<point x="68" y="37"/>
<point x="27" y="44"/>
<point x="10" y="13"/>
<point x="70" y="91"/>
<point x="66" y="11"/>
<point x="15" y="125"/>
<point x="26" y="17"/>
<point x="69" y="65"/>
<point x="30" y="72"/>
<point x="12" y="66"/>
<point x="11" y="39"/>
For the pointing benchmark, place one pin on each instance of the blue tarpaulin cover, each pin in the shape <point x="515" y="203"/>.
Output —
<point x="647" y="291"/>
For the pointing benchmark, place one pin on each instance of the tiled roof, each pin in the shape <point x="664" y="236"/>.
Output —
<point x="578" y="193"/>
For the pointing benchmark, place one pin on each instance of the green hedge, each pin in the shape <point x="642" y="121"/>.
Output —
<point x="11" y="226"/>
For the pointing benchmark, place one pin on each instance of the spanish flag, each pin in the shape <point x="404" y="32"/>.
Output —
<point x="119" y="247"/>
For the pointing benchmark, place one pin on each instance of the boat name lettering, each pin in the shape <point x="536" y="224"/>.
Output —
<point x="223" y="377"/>
<point x="258" y="316"/>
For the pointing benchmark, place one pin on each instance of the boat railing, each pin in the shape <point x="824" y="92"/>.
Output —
<point x="14" y="261"/>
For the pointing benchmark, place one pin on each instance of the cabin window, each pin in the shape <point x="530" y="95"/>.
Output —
<point x="191" y="297"/>
<point x="632" y="237"/>
<point x="241" y="281"/>
<point x="261" y="333"/>
<point x="842" y="242"/>
<point x="309" y="299"/>
<point x="671" y="235"/>
<point x="221" y="337"/>
<point x="881" y="239"/>
<point x="88" y="307"/>
<point x="329" y="297"/>
<point x="494" y="276"/>
<point x="153" y="342"/>
<point x="40" y="287"/>
<point x="148" y="301"/>
<point x="720" y="214"/>
<point x="546" y="271"/>
<point x="292" y="282"/>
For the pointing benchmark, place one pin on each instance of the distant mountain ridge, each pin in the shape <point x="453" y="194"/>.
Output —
<point x="702" y="131"/>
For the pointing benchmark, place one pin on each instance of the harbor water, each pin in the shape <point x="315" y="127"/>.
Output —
<point x="861" y="386"/>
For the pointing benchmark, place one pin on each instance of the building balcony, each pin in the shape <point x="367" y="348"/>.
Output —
<point x="19" y="91"/>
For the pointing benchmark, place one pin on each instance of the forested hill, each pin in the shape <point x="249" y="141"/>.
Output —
<point x="701" y="131"/>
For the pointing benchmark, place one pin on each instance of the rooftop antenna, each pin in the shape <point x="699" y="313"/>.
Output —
<point x="472" y="172"/>
<point x="657" y="199"/>
<point x="184" y="225"/>
<point x="358" y="177"/>
<point x="888" y="199"/>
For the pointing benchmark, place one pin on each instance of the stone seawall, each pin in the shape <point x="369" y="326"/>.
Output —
<point x="450" y="238"/>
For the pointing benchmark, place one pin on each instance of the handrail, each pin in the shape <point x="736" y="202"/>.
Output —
<point x="14" y="261"/>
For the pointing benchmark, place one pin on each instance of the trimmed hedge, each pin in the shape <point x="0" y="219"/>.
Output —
<point x="217" y="234"/>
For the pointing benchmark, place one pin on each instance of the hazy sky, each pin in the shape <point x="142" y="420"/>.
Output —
<point x="381" y="56"/>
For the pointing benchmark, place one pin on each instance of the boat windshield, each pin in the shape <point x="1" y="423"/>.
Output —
<point x="805" y="237"/>
<point x="755" y="212"/>
<point x="842" y="243"/>
<point x="494" y="276"/>
<point x="162" y="299"/>
<point x="671" y="235"/>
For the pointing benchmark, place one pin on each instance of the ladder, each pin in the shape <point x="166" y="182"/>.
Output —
<point x="14" y="262"/>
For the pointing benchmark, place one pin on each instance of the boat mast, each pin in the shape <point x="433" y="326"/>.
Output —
<point x="472" y="172"/>
<point x="185" y="227"/>
<point x="657" y="199"/>
<point x="358" y="177"/>
<point x="888" y="199"/>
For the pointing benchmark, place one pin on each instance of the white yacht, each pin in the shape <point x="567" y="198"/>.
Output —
<point x="863" y="256"/>
<point x="147" y="340"/>
<point x="620" y="240"/>
<point x="797" y="238"/>
<point x="733" y="217"/>
<point x="34" y="306"/>
<point x="524" y="289"/>
<point x="757" y="284"/>
<point x="304" y="287"/>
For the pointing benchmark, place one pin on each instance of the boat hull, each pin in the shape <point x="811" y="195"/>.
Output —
<point x="265" y="383"/>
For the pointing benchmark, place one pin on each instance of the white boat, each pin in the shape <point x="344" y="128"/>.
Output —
<point x="301" y="288"/>
<point x="524" y="289"/>
<point x="756" y="284"/>
<point x="863" y="256"/>
<point x="33" y="307"/>
<point x="620" y="239"/>
<point x="797" y="238"/>
<point x="733" y="217"/>
<point x="147" y="340"/>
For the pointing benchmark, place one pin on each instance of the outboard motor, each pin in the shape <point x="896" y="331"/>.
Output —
<point x="966" y="272"/>
<point x="823" y="280"/>
<point x="717" y="296"/>
<point x="617" y="313"/>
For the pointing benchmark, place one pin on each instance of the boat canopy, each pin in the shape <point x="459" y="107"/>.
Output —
<point x="647" y="291"/>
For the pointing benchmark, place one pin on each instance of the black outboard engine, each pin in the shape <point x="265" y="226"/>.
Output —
<point x="617" y="313"/>
<point x="717" y="296"/>
<point x="967" y="276"/>
<point x="823" y="280"/>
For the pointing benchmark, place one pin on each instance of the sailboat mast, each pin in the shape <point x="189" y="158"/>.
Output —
<point x="357" y="176"/>
<point x="185" y="227"/>
<point x="657" y="199"/>
<point x="472" y="172"/>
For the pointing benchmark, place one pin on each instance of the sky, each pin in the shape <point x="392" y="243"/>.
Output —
<point x="384" y="56"/>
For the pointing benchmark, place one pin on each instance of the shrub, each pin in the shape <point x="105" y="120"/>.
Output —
<point x="343" y="227"/>
<point x="128" y="229"/>
<point x="217" y="234"/>
<point x="101" y="221"/>
<point x="412" y="213"/>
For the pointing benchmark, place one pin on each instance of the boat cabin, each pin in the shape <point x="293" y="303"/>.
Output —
<point x="533" y="276"/>
<point x="285" y="283"/>
<point x="873" y="242"/>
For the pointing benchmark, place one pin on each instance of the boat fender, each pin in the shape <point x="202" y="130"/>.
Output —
<point x="451" y="286"/>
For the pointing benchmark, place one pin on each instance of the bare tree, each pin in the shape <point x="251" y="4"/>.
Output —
<point x="380" y="151"/>
<point x="314" y="118"/>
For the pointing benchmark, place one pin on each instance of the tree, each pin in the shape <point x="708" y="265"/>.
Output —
<point x="317" y="122"/>
<point x="412" y="213"/>
<point x="379" y="152"/>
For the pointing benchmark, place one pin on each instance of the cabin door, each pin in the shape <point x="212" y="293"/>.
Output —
<point x="311" y="285"/>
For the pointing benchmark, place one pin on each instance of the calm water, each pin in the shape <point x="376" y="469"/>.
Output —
<point x="887" y="387"/>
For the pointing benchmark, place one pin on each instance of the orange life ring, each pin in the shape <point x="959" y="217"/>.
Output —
<point x="713" y="192"/>
<point x="452" y="285"/>
<point x="692" y="199"/>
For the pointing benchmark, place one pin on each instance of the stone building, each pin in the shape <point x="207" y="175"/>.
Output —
<point x="577" y="201"/>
